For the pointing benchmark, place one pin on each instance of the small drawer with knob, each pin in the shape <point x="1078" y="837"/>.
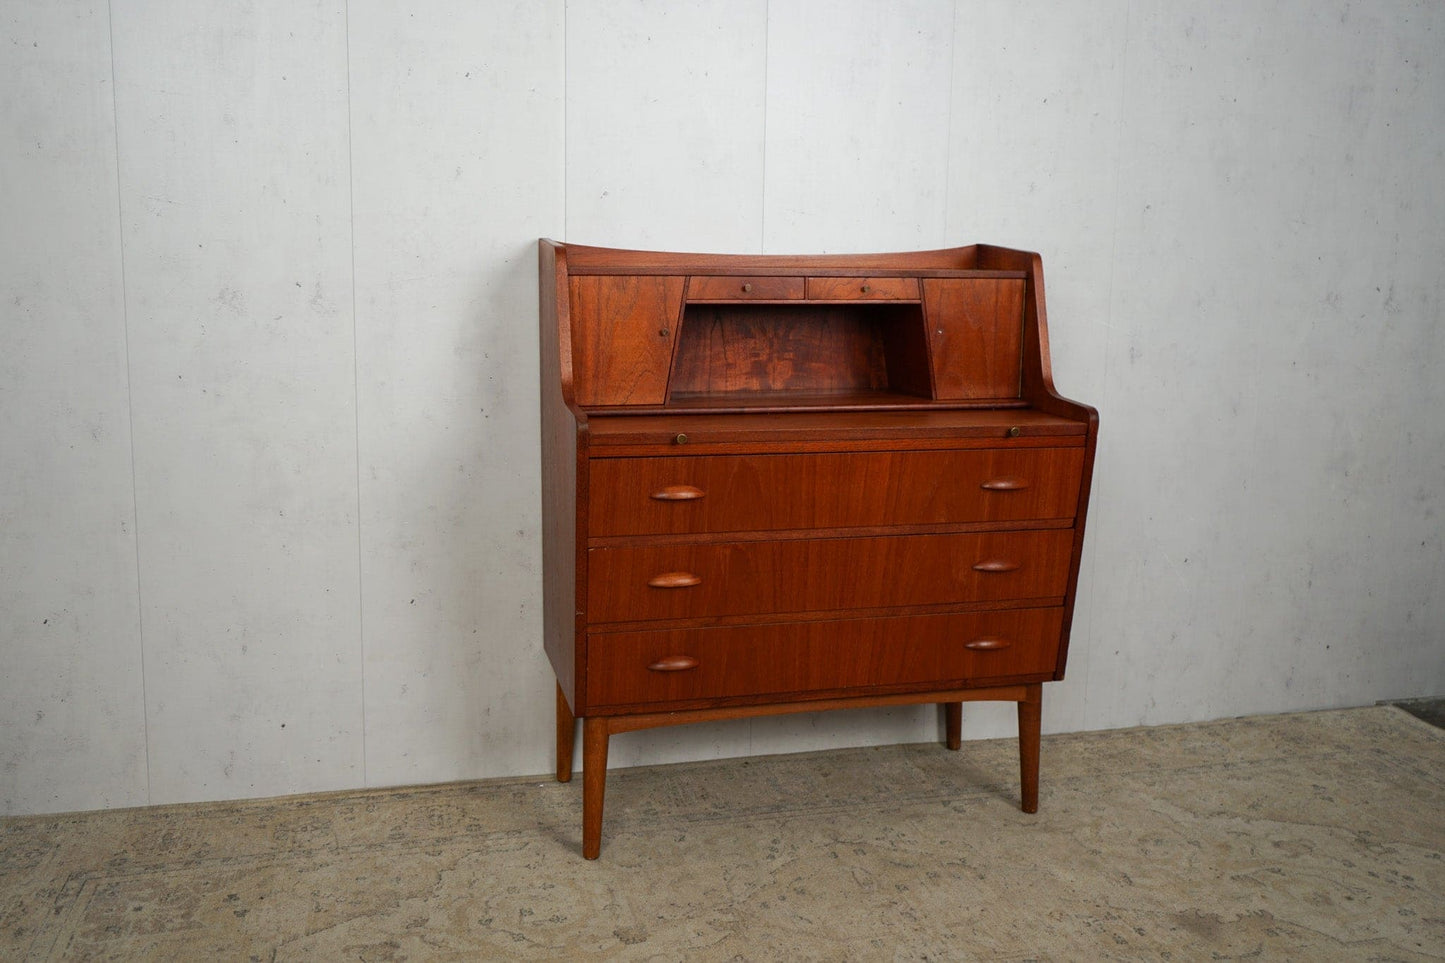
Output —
<point x="743" y="288"/>
<point x="863" y="289"/>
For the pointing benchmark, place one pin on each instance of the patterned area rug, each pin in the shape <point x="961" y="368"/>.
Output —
<point x="1314" y="836"/>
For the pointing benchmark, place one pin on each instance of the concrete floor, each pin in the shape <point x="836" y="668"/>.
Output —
<point x="1315" y="836"/>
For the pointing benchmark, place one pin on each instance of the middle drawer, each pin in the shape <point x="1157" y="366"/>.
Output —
<point x="684" y="581"/>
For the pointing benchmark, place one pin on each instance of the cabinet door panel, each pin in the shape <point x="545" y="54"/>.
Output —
<point x="632" y="668"/>
<point x="975" y="331"/>
<point x="635" y="496"/>
<point x="623" y="329"/>
<point x="824" y="574"/>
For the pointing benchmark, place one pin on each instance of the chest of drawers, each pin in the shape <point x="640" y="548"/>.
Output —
<point x="783" y="484"/>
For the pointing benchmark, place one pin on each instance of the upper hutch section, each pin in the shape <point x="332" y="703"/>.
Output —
<point x="641" y="331"/>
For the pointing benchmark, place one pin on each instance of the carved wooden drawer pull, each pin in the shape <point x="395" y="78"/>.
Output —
<point x="987" y="644"/>
<point x="678" y="493"/>
<point x="674" y="580"/>
<point x="674" y="663"/>
<point x="996" y="565"/>
<point x="1005" y="484"/>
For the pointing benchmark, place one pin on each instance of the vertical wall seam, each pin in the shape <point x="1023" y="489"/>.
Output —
<point x="1109" y="322"/>
<point x="945" y="241"/>
<point x="763" y="200"/>
<point x="355" y="382"/>
<point x="763" y="205"/>
<point x="130" y="408"/>
<point x="566" y="227"/>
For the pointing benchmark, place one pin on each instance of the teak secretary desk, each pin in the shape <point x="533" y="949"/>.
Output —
<point x="784" y="484"/>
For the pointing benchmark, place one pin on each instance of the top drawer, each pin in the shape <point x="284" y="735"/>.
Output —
<point x="734" y="493"/>
<point x="739" y="288"/>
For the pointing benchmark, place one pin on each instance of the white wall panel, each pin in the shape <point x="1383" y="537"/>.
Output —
<point x="457" y="114"/>
<point x="1261" y="522"/>
<point x="1036" y="113"/>
<point x="235" y="202"/>
<point x="665" y="108"/>
<point x="328" y="555"/>
<point x="1035" y="120"/>
<point x="72" y="727"/>
<point x="857" y="160"/>
<point x="857" y="129"/>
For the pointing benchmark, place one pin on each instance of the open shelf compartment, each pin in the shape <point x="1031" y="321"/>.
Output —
<point x="800" y="355"/>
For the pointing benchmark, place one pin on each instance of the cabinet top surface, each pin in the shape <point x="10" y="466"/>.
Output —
<point x="970" y="259"/>
<point x="634" y="429"/>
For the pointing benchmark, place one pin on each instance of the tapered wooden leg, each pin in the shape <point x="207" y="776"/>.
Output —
<point x="953" y="725"/>
<point x="1030" y="724"/>
<point x="566" y="734"/>
<point x="594" y="783"/>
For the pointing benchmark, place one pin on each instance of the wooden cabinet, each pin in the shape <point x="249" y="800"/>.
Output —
<point x="781" y="484"/>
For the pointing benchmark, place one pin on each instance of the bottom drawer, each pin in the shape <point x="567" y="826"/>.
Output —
<point x="683" y="665"/>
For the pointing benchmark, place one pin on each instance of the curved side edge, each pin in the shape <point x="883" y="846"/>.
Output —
<point x="564" y="479"/>
<point x="556" y="316"/>
<point x="1037" y="388"/>
<point x="1086" y="479"/>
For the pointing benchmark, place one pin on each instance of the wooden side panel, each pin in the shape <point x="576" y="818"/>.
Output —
<point x="975" y="329"/>
<point x="905" y="350"/>
<point x="774" y="659"/>
<point x="824" y="574"/>
<point x="559" y="475"/>
<point x="623" y="330"/>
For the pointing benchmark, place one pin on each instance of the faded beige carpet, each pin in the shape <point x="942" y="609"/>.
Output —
<point x="1315" y="836"/>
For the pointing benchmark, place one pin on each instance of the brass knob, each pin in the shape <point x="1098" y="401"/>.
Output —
<point x="1014" y="432"/>
<point x="747" y="288"/>
<point x="864" y="289"/>
<point x="681" y="438"/>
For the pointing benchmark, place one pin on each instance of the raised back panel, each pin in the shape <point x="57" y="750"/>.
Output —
<point x="623" y="328"/>
<point x="777" y="350"/>
<point x="975" y="329"/>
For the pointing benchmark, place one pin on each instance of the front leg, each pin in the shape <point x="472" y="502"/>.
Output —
<point x="953" y="725"/>
<point x="1030" y="724"/>
<point x="594" y="783"/>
